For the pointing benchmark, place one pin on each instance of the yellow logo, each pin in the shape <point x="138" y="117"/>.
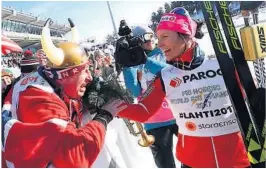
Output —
<point x="196" y="100"/>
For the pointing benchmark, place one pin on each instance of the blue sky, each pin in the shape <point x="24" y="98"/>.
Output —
<point x="91" y="17"/>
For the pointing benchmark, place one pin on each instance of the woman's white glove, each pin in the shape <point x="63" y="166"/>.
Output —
<point x="114" y="106"/>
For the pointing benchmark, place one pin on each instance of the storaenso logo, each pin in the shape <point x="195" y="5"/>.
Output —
<point x="216" y="125"/>
<point x="215" y="27"/>
<point x="202" y="75"/>
<point x="230" y="25"/>
<point x="262" y="39"/>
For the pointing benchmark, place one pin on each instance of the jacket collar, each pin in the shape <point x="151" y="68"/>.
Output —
<point x="191" y="59"/>
<point x="153" y="52"/>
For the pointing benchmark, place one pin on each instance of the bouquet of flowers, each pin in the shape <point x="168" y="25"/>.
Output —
<point x="101" y="91"/>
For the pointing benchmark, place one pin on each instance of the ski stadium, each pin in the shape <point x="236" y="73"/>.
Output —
<point x="121" y="148"/>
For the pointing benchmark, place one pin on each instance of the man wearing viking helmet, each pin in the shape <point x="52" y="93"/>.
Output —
<point x="42" y="119"/>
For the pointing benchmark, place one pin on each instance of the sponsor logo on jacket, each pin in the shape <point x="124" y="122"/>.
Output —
<point x="207" y="113"/>
<point x="175" y="82"/>
<point x="191" y="126"/>
<point x="202" y="75"/>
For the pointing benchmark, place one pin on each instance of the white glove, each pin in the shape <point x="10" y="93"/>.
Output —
<point x="114" y="106"/>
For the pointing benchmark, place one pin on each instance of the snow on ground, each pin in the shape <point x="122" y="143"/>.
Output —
<point x="128" y="153"/>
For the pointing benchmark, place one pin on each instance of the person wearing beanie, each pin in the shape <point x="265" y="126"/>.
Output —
<point x="28" y="64"/>
<point x="98" y="58"/>
<point x="7" y="77"/>
<point x="7" y="81"/>
<point x="28" y="53"/>
<point x="43" y="118"/>
<point x="209" y="135"/>
<point x="137" y="79"/>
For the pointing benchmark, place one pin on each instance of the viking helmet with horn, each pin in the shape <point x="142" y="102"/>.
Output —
<point x="67" y="54"/>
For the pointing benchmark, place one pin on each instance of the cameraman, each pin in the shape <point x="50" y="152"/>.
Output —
<point x="137" y="78"/>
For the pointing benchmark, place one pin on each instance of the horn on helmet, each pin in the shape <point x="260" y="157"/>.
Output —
<point x="74" y="32"/>
<point x="54" y="54"/>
